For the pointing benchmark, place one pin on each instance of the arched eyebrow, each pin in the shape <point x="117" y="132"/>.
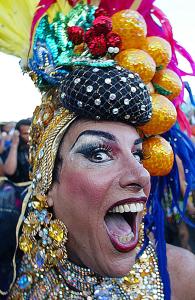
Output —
<point x="138" y="141"/>
<point x="96" y="133"/>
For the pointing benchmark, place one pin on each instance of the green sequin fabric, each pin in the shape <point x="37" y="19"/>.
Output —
<point x="54" y="54"/>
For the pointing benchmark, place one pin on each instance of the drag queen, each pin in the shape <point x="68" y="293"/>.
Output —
<point x="91" y="225"/>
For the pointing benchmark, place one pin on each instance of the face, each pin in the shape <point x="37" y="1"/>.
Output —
<point x="24" y="133"/>
<point x="100" y="195"/>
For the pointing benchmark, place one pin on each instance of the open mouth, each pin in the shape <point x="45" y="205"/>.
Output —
<point x="122" y="224"/>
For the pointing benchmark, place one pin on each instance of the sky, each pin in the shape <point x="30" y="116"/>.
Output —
<point x="18" y="95"/>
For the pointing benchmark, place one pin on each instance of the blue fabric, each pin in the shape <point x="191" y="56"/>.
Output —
<point x="188" y="88"/>
<point x="184" y="148"/>
<point x="154" y="222"/>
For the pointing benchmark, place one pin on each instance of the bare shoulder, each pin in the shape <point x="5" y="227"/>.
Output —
<point x="181" y="266"/>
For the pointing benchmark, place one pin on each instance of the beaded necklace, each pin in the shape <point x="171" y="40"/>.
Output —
<point x="70" y="281"/>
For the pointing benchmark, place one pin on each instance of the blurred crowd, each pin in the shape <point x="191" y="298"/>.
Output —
<point x="14" y="148"/>
<point x="14" y="179"/>
<point x="178" y="232"/>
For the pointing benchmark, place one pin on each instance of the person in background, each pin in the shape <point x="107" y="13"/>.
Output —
<point x="8" y="166"/>
<point x="6" y="130"/>
<point x="14" y="169"/>
<point x="177" y="232"/>
<point x="2" y="142"/>
<point x="10" y="204"/>
<point x="18" y="170"/>
<point x="7" y="126"/>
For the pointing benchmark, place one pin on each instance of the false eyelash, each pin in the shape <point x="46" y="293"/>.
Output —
<point x="104" y="147"/>
<point x="139" y="141"/>
<point x="143" y="155"/>
<point x="89" y="149"/>
<point x="140" y="153"/>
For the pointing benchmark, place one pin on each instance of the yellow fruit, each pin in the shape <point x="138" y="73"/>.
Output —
<point x="150" y="88"/>
<point x="137" y="61"/>
<point x="164" y="116"/>
<point x="159" y="49"/>
<point x="167" y="83"/>
<point x="131" y="27"/>
<point x="159" y="156"/>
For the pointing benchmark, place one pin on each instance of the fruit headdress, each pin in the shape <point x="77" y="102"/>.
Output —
<point x="103" y="60"/>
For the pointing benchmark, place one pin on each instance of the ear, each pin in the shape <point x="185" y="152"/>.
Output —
<point x="50" y="196"/>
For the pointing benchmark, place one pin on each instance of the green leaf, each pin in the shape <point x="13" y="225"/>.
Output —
<point x="161" y="90"/>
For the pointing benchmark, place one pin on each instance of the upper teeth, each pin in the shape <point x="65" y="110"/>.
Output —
<point x="131" y="207"/>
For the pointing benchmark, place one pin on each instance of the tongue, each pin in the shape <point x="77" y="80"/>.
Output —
<point x="120" y="232"/>
<point x="117" y="225"/>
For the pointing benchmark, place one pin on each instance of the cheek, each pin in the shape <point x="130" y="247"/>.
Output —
<point x="85" y="186"/>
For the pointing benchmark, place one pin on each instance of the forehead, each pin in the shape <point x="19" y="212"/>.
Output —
<point x="122" y="132"/>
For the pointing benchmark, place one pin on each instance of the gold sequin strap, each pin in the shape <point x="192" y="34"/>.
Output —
<point x="47" y="150"/>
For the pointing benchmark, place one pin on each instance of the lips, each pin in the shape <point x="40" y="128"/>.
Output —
<point x="122" y="223"/>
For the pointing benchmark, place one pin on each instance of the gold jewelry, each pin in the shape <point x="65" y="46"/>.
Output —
<point x="43" y="239"/>
<point x="141" y="230"/>
<point x="49" y="123"/>
<point x="69" y="281"/>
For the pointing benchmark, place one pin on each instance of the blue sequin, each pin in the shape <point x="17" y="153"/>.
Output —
<point x="40" y="258"/>
<point x="24" y="281"/>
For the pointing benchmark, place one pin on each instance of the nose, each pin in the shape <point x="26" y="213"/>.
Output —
<point x="134" y="176"/>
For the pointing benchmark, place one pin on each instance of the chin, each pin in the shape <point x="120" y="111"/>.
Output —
<point x="113" y="256"/>
<point x="121" y="266"/>
<point x="113" y="263"/>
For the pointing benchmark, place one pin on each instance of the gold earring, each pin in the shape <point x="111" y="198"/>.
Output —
<point x="43" y="239"/>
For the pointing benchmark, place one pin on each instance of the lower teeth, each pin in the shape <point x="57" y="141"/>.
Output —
<point x="127" y="238"/>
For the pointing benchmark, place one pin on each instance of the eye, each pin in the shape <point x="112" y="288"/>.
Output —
<point x="100" y="155"/>
<point x="96" y="153"/>
<point x="139" y="155"/>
